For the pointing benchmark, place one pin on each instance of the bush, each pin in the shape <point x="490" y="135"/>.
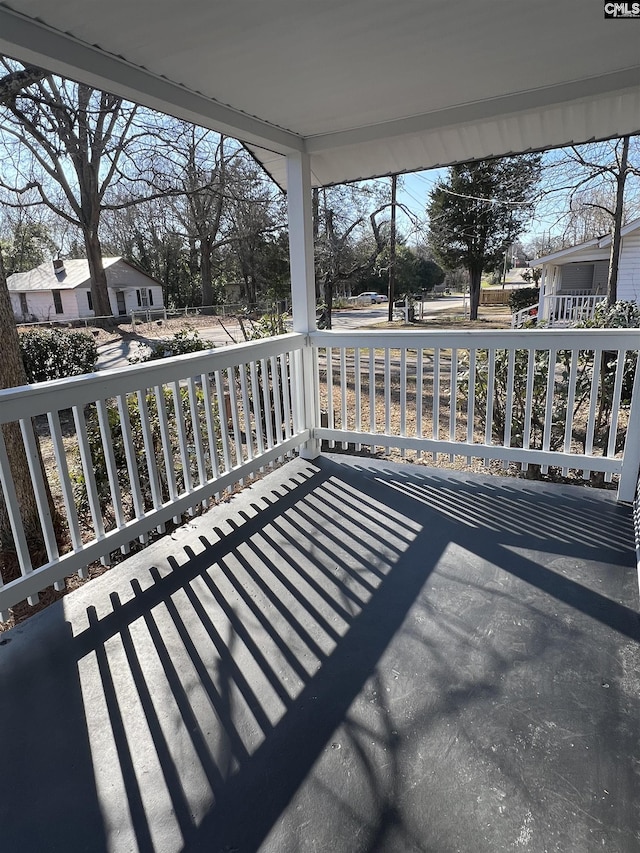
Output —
<point x="116" y="440"/>
<point x="523" y="297"/>
<point x="621" y="315"/>
<point x="183" y="342"/>
<point x="54" y="354"/>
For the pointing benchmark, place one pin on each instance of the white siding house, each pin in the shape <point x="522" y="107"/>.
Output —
<point x="61" y="290"/>
<point x="574" y="280"/>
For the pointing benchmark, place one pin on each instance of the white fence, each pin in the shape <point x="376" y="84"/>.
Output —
<point x="129" y="449"/>
<point x="552" y="398"/>
<point x="126" y="451"/>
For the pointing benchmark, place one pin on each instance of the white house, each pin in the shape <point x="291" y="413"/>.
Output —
<point x="574" y="280"/>
<point x="61" y="290"/>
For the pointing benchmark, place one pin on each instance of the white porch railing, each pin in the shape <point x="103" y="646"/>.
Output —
<point x="523" y="315"/>
<point x="129" y="449"/>
<point x="570" y="309"/>
<point x="488" y="395"/>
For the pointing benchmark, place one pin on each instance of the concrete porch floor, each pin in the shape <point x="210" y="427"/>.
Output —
<point x="350" y="656"/>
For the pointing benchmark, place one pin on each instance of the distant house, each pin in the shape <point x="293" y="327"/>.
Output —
<point x="61" y="290"/>
<point x="574" y="280"/>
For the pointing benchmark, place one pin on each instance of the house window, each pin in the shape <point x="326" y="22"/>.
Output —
<point x="89" y="300"/>
<point x="57" y="301"/>
<point x="143" y="301"/>
<point x="150" y="296"/>
<point x="24" y="308"/>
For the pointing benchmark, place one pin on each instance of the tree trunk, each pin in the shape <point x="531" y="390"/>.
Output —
<point x="475" y="278"/>
<point x="205" y="273"/>
<point x="328" y="298"/>
<point x="616" y="237"/>
<point x="99" y="291"/>
<point x="12" y="374"/>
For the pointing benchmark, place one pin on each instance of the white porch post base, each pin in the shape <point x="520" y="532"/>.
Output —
<point x="303" y="287"/>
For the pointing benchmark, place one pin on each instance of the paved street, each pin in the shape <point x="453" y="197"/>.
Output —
<point x="116" y="353"/>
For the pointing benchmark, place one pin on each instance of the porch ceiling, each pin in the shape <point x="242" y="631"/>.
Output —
<point x="367" y="87"/>
<point x="351" y="655"/>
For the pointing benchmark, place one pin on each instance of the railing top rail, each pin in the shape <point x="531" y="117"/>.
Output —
<point x="480" y="339"/>
<point x="30" y="400"/>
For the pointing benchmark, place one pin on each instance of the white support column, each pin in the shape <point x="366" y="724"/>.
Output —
<point x="541" y="297"/>
<point x="303" y="286"/>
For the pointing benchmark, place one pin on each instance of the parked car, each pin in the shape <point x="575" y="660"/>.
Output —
<point x="371" y="298"/>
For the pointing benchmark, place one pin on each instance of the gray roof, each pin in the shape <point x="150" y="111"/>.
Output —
<point x="75" y="274"/>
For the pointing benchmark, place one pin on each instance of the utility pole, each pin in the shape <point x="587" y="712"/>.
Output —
<point x="392" y="246"/>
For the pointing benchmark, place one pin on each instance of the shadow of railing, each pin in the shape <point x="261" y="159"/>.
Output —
<point x="272" y="667"/>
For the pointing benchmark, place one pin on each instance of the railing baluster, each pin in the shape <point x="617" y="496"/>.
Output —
<point x="286" y="394"/>
<point x="435" y="426"/>
<point x="526" y="433"/>
<point x="150" y="454"/>
<point x="387" y="395"/>
<point x="248" y="431"/>
<point x="109" y="460"/>
<point x="235" y="419"/>
<point x="68" y="499"/>
<point x="165" y="440"/>
<point x="615" y="409"/>
<point x="372" y="394"/>
<point x="196" y="425"/>
<point x="403" y="396"/>
<point x="277" y="402"/>
<point x="491" y="374"/>
<point x="453" y="398"/>
<point x="508" y="419"/>
<point x="471" y="399"/>
<point x="571" y="399"/>
<point x="330" y="416"/>
<point x="593" y="407"/>
<point x="548" y="415"/>
<point x="185" y="460"/>
<point x="39" y="490"/>
<point x="419" y="394"/>
<point x="268" y="421"/>
<point x="89" y="478"/>
<point x="257" y="407"/>
<point x="357" y="387"/>
<point x="224" y="420"/>
<point x="343" y="393"/>
<point x="212" y="436"/>
<point x="15" y="520"/>
<point x="130" y="457"/>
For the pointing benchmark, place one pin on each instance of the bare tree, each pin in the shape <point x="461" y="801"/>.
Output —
<point x="594" y="179"/>
<point x="67" y="142"/>
<point x="348" y="236"/>
<point x="12" y="374"/>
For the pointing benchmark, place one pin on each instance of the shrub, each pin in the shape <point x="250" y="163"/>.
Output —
<point x="54" y="354"/>
<point x="523" y="297"/>
<point x="117" y="442"/>
<point x="621" y="315"/>
<point x="183" y="342"/>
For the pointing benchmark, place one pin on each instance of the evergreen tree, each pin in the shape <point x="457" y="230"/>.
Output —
<point x="478" y="211"/>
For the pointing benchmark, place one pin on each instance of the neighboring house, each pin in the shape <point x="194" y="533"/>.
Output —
<point x="574" y="280"/>
<point x="61" y="290"/>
